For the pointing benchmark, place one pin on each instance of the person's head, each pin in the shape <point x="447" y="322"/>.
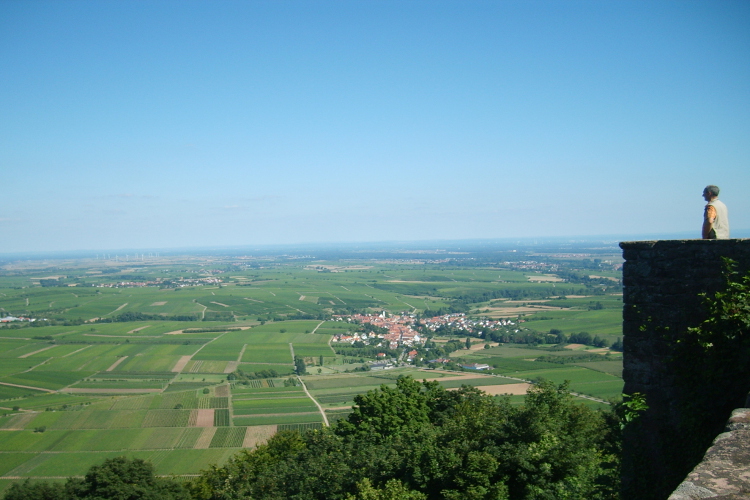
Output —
<point x="710" y="192"/>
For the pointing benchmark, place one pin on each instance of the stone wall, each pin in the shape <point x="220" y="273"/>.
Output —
<point x="663" y="281"/>
<point x="724" y="472"/>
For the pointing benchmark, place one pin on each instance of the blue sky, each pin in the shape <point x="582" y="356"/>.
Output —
<point x="193" y="123"/>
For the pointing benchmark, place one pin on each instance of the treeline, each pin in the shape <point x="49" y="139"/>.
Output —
<point x="218" y="316"/>
<point x="417" y="441"/>
<point x="139" y="316"/>
<point x="564" y="360"/>
<point x="275" y="317"/>
<point x="442" y="311"/>
<point x="360" y="350"/>
<point x="443" y="350"/>
<point x="503" y="336"/>
<point x="585" y="338"/>
<point x="17" y="325"/>
<point x="243" y="377"/>
<point x="530" y="337"/>
<point x="116" y="478"/>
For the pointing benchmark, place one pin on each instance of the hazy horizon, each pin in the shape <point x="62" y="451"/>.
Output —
<point x="446" y="245"/>
<point x="194" y="124"/>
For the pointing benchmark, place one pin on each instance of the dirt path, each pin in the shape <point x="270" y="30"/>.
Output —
<point x="320" y="408"/>
<point x="412" y="307"/>
<point x="203" y="312"/>
<point x="40" y="350"/>
<point x="79" y="350"/>
<point x="181" y="363"/>
<point x="26" y="387"/>
<point x="242" y="352"/>
<point x="116" y="363"/>
<point x="335" y="297"/>
<point x="316" y="328"/>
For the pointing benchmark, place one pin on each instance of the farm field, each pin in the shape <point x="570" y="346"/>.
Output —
<point x="187" y="372"/>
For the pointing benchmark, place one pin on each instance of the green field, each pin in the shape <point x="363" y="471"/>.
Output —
<point x="145" y="371"/>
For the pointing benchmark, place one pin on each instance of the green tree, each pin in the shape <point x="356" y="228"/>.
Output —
<point x="393" y="490"/>
<point x="121" y="478"/>
<point x="115" y="479"/>
<point x="27" y="490"/>
<point x="418" y="440"/>
<point x="617" y="345"/>
<point x="299" y="366"/>
<point x="385" y="411"/>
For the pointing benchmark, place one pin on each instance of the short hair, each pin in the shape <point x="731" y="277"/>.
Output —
<point x="714" y="190"/>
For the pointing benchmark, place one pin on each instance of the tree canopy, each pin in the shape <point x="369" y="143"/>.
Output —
<point x="418" y="440"/>
<point x="117" y="478"/>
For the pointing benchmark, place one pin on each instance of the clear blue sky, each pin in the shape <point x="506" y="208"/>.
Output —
<point x="199" y="123"/>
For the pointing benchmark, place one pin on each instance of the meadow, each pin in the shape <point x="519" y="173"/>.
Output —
<point x="148" y="371"/>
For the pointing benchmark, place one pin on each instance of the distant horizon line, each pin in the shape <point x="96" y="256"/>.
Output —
<point x="411" y="244"/>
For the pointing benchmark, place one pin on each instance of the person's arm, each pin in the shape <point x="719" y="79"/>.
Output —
<point x="708" y="222"/>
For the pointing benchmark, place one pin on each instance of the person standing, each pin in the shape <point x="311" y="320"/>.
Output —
<point x="715" y="216"/>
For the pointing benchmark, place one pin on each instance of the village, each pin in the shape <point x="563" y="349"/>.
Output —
<point x="398" y="332"/>
<point x="165" y="283"/>
<point x="400" y="328"/>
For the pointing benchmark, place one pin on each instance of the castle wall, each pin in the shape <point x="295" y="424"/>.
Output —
<point x="663" y="281"/>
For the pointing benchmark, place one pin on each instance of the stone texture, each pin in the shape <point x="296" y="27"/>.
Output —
<point x="725" y="470"/>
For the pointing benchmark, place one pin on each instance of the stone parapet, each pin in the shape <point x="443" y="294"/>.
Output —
<point x="724" y="472"/>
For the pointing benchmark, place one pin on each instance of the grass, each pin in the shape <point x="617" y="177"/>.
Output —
<point x="76" y="464"/>
<point x="166" y="418"/>
<point x="605" y="322"/>
<point x="293" y="418"/>
<point x="281" y="369"/>
<point x="10" y="461"/>
<point x="14" y="393"/>
<point x="228" y="437"/>
<point x="283" y="402"/>
<point x="268" y="353"/>
<point x="221" y="418"/>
